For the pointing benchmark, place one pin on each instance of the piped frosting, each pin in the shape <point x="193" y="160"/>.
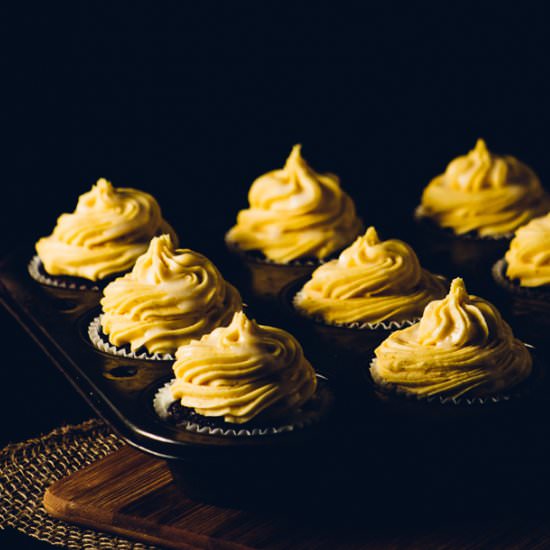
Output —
<point x="243" y="370"/>
<point x="460" y="347"/>
<point x="295" y="213"/>
<point x="109" y="229"/>
<point x="485" y="193"/>
<point x="170" y="297"/>
<point x="370" y="282"/>
<point x="528" y="257"/>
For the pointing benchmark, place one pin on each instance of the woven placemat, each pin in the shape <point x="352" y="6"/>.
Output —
<point x="27" y="469"/>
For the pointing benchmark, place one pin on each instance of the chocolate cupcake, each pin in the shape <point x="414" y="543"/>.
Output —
<point x="242" y="380"/>
<point x="170" y="297"/>
<point x="461" y="351"/>
<point x="524" y="275"/>
<point x="525" y="268"/>
<point x="109" y="229"/>
<point x="473" y="208"/>
<point x="297" y="219"/>
<point x="373" y="287"/>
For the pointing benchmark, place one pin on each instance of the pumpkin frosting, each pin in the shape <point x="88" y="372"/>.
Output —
<point x="170" y="297"/>
<point x="528" y="257"/>
<point x="295" y="213"/>
<point x="485" y="193"/>
<point x="371" y="281"/>
<point x="243" y="370"/>
<point x="109" y="229"/>
<point x="460" y="347"/>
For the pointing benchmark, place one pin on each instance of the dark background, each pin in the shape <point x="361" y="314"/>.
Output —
<point x="193" y="100"/>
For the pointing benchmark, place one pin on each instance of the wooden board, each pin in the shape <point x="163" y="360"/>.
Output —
<point x="133" y="494"/>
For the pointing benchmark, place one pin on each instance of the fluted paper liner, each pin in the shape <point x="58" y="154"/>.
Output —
<point x="499" y="275"/>
<point x="471" y="236"/>
<point x="163" y="399"/>
<point x="514" y="392"/>
<point x="356" y="325"/>
<point x="101" y="343"/>
<point x="38" y="273"/>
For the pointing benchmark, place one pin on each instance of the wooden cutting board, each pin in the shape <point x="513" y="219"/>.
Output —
<point x="133" y="494"/>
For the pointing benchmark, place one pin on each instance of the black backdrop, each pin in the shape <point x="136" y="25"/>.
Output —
<point x="193" y="100"/>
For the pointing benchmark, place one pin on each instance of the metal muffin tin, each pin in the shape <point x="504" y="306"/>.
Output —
<point x="119" y="389"/>
<point x="362" y="434"/>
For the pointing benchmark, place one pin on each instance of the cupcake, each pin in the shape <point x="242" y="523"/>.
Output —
<point x="241" y="380"/>
<point x="372" y="284"/>
<point x="524" y="273"/>
<point x="477" y="204"/>
<point x="109" y="229"/>
<point x="349" y="304"/>
<point x="297" y="219"/>
<point x="525" y="268"/>
<point x="460" y="349"/>
<point x="170" y="297"/>
<point x="484" y="194"/>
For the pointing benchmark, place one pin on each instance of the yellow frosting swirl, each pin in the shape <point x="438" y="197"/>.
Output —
<point x="106" y="233"/>
<point x="170" y="297"/>
<point x="492" y="195"/>
<point x="529" y="254"/>
<point x="371" y="281"/>
<point x="243" y="370"/>
<point x="296" y="213"/>
<point x="460" y="347"/>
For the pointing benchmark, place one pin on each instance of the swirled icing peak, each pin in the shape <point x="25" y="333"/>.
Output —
<point x="295" y="213"/>
<point x="370" y="282"/>
<point x="170" y="297"/>
<point x="106" y="233"/>
<point x="486" y="193"/>
<point x="528" y="257"/>
<point x="460" y="347"/>
<point x="243" y="370"/>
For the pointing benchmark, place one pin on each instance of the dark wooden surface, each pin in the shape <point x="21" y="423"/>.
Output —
<point x="133" y="494"/>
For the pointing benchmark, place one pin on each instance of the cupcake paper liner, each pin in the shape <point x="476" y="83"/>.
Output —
<point x="259" y="258"/>
<point x="39" y="274"/>
<point x="100" y="341"/>
<point x="514" y="392"/>
<point x="499" y="275"/>
<point x="356" y="325"/>
<point x="163" y="399"/>
<point x="420" y="216"/>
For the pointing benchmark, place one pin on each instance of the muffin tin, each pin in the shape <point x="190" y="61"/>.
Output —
<point x="366" y="433"/>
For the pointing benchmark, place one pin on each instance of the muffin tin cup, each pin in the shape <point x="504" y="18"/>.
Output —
<point x="265" y="278"/>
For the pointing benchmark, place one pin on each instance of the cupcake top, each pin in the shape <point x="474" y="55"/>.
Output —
<point x="528" y="257"/>
<point x="370" y="282"/>
<point x="170" y="297"/>
<point x="243" y="370"/>
<point x="489" y="194"/>
<point x="460" y="347"/>
<point x="106" y="233"/>
<point x="295" y="213"/>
